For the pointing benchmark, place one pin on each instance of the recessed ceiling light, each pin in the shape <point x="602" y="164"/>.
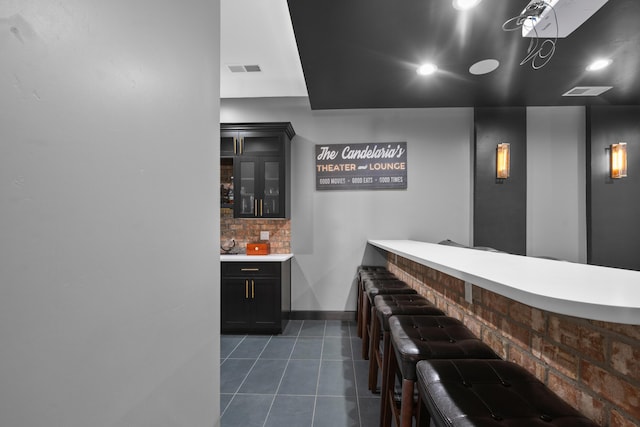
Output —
<point x="426" y="69"/>
<point x="599" y="64"/>
<point x="465" y="4"/>
<point x="483" y="67"/>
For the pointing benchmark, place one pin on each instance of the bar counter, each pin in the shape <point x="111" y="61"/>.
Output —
<point x="580" y="290"/>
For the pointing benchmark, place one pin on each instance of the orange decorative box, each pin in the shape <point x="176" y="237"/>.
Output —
<point x="258" y="248"/>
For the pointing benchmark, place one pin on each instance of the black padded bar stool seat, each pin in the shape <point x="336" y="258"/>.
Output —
<point x="371" y="288"/>
<point x="416" y="338"/>
<point x="385" y="306"/>
<point x="399" y="304"/>
<point x="371" y="267"/>
<point x="368" y="272"/>
<point x="489" y="393"/>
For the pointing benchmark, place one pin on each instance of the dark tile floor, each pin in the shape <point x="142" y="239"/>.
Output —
<point x="310" y="376"/>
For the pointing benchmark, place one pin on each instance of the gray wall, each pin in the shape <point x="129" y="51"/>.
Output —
<point x="108" y="274"/>
<point x="556" y="183"/>
<point x="329" y="229"/>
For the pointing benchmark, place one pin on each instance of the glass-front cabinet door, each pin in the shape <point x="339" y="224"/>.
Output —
<point x="271" y="206"/>
<point x="261" y="187"/>
<point x="245" y="179"/>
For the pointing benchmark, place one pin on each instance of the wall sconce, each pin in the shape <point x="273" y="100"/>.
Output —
<point x="618" y="154"/>
<point x="503" y="161"/>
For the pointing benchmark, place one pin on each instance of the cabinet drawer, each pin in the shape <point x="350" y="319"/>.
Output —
<point x="251" y="269"/>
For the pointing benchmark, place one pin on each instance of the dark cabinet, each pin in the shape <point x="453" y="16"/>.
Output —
<point x="255" y="296"/>
<point x="260" y="154"/>
<point x="253" y="139"/>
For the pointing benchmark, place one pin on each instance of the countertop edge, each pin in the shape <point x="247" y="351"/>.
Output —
<point x="256" y="258"/>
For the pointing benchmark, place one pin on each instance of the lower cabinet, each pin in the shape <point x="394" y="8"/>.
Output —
<point x="255" y="297"/>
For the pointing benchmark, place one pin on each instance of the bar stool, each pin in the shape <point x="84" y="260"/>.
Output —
<point x="488" y="392"/>
<point x="371" y="288"/>
<point x="368" y="272"/>
<point x="385" y="306"/>
<point x="416" y="338"/>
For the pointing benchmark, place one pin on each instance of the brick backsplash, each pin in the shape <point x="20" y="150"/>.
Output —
<point x="593" y="365"/>
<point x="244" y="231"/>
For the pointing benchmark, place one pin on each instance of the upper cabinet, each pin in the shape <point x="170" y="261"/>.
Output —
<point x="259" y="156"/>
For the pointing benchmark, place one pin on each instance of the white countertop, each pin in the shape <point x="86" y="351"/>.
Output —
<point x="256" y="258"/>
<point x="581" y="290"/>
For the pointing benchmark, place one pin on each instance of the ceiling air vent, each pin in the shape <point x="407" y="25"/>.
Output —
<point x="587" y="90"/>
<point x="244" y="68"/>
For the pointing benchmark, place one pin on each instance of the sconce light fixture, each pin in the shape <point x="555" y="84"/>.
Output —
<point x="618" y="156"/>
<point x="503" y="161"/>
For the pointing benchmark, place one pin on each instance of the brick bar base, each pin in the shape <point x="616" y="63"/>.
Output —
<point x="593" y="365"/>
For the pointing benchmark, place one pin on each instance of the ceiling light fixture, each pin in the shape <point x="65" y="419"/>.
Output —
<point x="426" y="69"/>
<point x="599" y="64"/>
<point x="465" y="4"/>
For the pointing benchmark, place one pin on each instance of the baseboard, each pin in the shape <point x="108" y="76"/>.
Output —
<point x="322" y="315"/>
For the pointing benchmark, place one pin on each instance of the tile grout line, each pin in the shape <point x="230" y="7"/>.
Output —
<point x="355" y="379"/>
<point x="234" y="349"/>
<point x="275" y="395"/>
<point x="315" y="401"/>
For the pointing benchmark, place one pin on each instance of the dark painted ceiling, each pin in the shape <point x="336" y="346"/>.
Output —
<point x="364" y="54"/>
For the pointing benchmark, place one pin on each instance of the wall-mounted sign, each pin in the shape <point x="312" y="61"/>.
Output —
<point x="361" y="166"/>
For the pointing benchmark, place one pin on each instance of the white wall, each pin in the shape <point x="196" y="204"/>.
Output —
<point x="556" y="183"/>
<point x="330" y="228"/>
<point x="108" y="273"/>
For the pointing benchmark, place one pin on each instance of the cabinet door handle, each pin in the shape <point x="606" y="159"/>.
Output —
<point x="261" y="206"/>
<point x="253" y="290"/>
<point x="246" y="289"/>
<point x="255" y="208"/>
<point x="241" y="145"/>
<point x="235" y="145"/>
<point x="250" y="269"/>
